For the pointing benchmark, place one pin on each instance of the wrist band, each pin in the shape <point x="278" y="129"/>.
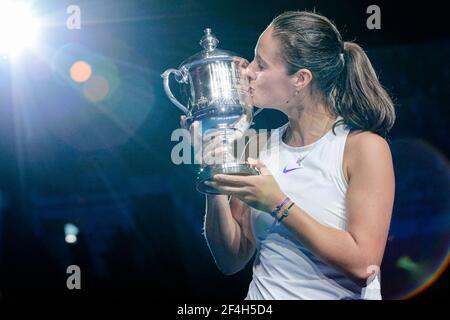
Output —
<point x="285" y="213"/>
<point x="278" y="207"/>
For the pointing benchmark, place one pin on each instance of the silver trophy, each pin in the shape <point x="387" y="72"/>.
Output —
<point x="217" y="95"/>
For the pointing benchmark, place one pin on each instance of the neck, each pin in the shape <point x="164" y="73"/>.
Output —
<point x="307" y="125"/>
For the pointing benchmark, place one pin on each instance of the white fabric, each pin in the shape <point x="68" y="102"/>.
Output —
<point x="283" y="268"/>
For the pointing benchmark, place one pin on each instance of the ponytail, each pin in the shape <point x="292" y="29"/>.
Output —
<point x="360" y="99"/>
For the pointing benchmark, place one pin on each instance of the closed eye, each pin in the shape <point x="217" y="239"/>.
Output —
<point x="260" y="66"/>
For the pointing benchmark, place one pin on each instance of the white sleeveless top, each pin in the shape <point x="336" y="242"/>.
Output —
<point x="283" y="268"/>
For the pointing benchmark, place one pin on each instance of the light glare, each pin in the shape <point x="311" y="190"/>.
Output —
<point x="18" y="28"/>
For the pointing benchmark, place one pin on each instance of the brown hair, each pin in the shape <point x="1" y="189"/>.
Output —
<point x="341" y="70"/>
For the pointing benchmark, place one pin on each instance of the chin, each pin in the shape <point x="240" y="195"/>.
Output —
<point x="262" y="106"/>
<point x="258" y="105"/>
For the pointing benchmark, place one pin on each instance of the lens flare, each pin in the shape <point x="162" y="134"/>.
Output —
<point x="109" y="106"/>
<point x="80" y="71"/>
<point x="418" y="248"/>
<point x="432" y="277"/>
<point x="96" y="89"/>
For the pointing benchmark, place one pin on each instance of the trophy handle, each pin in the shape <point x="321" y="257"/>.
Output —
<point x="180" y="78"/>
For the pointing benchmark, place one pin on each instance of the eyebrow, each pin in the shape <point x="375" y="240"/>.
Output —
<point x="260" y="58"/>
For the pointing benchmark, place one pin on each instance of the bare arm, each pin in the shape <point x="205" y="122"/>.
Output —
<point x="227" y="226"/>
<point x="228" y="232"/>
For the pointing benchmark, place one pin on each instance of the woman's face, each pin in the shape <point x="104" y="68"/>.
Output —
<point x="270" y="85"/>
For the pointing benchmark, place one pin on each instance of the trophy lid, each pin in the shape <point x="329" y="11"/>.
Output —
<point x="209" y="53"/>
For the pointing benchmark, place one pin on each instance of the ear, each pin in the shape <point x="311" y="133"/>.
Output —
<point x="302" y="78"/>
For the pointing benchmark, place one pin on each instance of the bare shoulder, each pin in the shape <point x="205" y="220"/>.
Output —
<point x="363" y="148"/>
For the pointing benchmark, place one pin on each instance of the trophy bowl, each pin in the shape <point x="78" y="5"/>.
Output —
<point x="215" y="87"/>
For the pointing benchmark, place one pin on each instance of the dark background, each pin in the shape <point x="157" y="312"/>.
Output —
<point x="106" y="166"/>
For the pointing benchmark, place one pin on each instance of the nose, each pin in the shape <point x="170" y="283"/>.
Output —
<point x="251" y="74"/>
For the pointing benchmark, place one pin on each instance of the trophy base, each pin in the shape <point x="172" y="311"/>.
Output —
<point x="206" y="173"/>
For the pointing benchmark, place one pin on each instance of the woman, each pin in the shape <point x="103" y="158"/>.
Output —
<point x="318" y="216"/>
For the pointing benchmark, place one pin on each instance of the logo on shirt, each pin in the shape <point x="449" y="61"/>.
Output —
<point x="286" y="170"/>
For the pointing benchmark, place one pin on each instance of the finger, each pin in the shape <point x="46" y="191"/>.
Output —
<point x="183" y="122"/>
<point x="210" y="144"/>
<point x="217" y="156"/>
<point x="196" y="136"/>
<point x="194" y="126"/>
<point x="216" y="149"/>
<point x="258" y="164"/>
<point x="213" y="140"/>
<point x="230" y="190"/>
<point x="214" y="157"/>
<point x="242" y="62"/>
<point x="231" y="180"/>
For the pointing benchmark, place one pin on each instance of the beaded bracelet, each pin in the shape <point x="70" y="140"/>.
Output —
<point x="285" y="213"/>
<point x="278" y="207"/>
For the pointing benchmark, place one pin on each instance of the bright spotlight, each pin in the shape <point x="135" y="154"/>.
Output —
<point x="71" y="232"/>
<point x="71" y="238"/>
<point x="18" y="28"/>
